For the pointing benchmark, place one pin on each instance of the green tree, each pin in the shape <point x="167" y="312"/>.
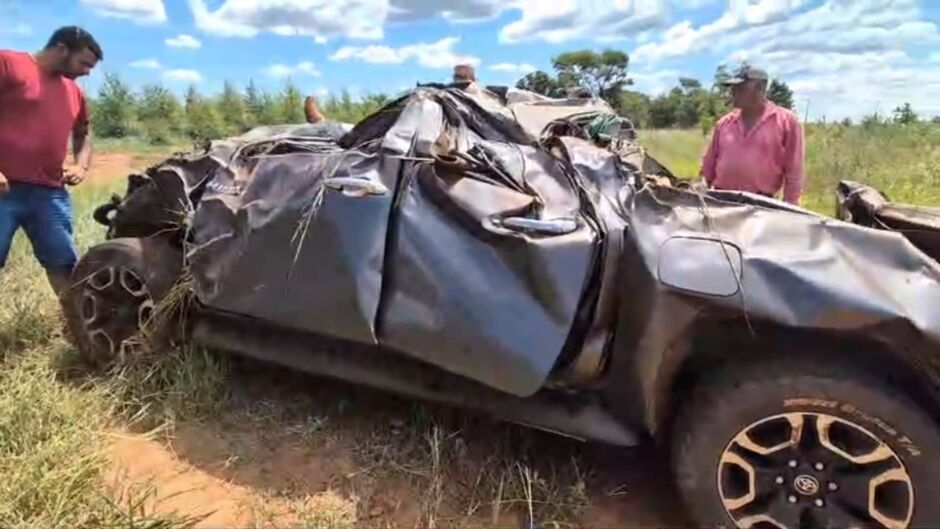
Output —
<point x="905" y="115"/>
<point x="604" y="73"/>
<point x="347" y="110"/>
<point x="541" y="83"/>
<point x="160" y="114"/>
<point x="663" y="109"/>
<point x="873" y="120"/>
<point x="254" y="104"/>
<point x="270" y="110"/>
<point x="691" y="100"/>
<point x="203" y="121"/>
<point x="114" y="110"/>
<point x="231" y="108"/>
<point x="721" y="75"/>
<point x="780" y="94"/>
<point x="635" y="106"/>
<point x="292" y="104"/>
<point x="706" y="122"/>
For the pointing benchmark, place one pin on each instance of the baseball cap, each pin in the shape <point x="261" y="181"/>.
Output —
<point x="746" y="73"/>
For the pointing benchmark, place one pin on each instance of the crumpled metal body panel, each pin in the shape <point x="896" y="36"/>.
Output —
<point x="489" y="303"/>
<point x="867" y="206"/>
<point x="798" y="270"/>
<point x="290" y="249"/>
<point x="479" y="257"/>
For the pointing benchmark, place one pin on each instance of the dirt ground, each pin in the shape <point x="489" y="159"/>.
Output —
<point x="112" y="165"/>
<point x="291" y="449"/>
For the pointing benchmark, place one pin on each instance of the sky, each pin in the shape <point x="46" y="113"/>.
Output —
<point x="843" y="58"/>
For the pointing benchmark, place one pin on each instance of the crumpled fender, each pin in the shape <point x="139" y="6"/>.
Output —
<point x="731" y="254"/>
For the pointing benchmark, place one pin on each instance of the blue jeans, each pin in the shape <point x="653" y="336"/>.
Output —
<point x="45" y="214"/>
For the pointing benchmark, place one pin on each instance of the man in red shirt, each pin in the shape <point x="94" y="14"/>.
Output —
<point x="41" y="107"/>
<point x="758" y="147"/>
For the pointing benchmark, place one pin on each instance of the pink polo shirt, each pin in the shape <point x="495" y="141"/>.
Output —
<point x="763" y="160"/>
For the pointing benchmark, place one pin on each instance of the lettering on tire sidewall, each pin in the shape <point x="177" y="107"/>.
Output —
<point x="849" y="411"/>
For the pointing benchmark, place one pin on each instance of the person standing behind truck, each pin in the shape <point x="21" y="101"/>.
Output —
<point x="757" y="147"/>
<point x="41" y="106"/>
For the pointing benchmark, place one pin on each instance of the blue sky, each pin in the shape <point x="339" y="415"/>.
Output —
<point x="842" y="57"/>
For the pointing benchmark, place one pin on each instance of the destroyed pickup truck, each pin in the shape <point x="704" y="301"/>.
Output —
<point x="523" y="257"/>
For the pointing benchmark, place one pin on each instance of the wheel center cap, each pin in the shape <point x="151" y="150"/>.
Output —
<point x="806" y="485"/>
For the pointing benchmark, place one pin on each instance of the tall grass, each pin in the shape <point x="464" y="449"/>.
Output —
<point x="902" y="161"/>
<point x="54" y="423"/>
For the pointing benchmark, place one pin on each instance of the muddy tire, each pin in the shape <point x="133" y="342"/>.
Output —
<point x="799" y="446"/>
<point x="115" y="290"/>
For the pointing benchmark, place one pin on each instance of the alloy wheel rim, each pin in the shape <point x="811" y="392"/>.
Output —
<point x="806" y="470"/>
<point x="115" y="306"/>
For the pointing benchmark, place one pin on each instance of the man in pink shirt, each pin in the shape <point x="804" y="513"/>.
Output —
<point x="41" y="108"/>
<point x="757" y="147"/>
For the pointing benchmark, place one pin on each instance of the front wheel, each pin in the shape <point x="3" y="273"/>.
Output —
<point x="115" y="292"/>
<point x="795" y="446"/>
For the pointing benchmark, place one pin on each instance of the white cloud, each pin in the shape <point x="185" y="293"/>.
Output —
<point x="555" y="21"/>
<point x="147" y="64"/>
<point x="682" y="38"/>
<point x="563" y="20"/>
<point x="452" y="10"/>
<point x="140" y="11"/>
<point x="693" y="4"/>
<point x="190" y="76"/>
<point x="362" y="19"/>
<point x="184" y="41"/>
<point x="305" y="68"/>
<point x="20" y="30"/>
<point x="509" y="67"/>
<point x="934" y="57"/>
<point x="655" y="82"/>
<point x="436" y="55"/>
<point x="843" y="58"/>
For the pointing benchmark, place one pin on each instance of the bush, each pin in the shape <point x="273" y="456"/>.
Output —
<point x="114" y="108"/>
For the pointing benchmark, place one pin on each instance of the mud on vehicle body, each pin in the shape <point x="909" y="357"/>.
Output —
<point x="524" y="257"/>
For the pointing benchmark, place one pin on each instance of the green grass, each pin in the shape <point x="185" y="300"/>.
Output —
<point x="138" y="146"/>
<point x="902" y="161"/>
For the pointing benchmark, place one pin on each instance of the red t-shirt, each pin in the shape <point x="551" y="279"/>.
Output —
<point x="38" y="112"/>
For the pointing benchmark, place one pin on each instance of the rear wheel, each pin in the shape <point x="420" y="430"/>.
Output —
<point x="798" y="446"/>
<point x="115" y="292"/>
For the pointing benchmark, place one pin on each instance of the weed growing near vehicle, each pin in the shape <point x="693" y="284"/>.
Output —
<point x="54" y="425"/>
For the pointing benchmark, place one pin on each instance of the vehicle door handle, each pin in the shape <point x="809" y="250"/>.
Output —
<point x="561" y="226"/>
<point x="356" y="187"/>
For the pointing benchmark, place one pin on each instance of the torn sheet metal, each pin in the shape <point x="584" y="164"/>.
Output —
<point x="866" y="206"/>
<point x="735" y="256"/>
<point x="301" y="244"/>
<point x="446" y="233"/>
<point x="469" y="290"/>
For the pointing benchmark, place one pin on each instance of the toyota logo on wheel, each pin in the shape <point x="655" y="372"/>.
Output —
<point x="806" y="485"/>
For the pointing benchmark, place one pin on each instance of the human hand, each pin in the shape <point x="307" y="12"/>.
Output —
<point x="4" y="185"/>
<point x="73" y="174"/>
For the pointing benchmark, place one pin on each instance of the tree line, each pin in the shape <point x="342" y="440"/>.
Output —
<point x="605" y="74"/>
<point x="159" y="116"/>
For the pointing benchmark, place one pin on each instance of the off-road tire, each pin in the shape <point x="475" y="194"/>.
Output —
<point x="149" y="267"/>
<point x="716" y="413"/>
